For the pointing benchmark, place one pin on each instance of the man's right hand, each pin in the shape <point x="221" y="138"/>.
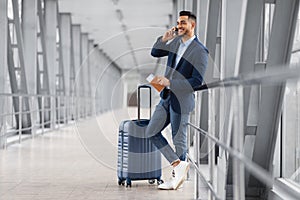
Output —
<point x="169" y="35"/>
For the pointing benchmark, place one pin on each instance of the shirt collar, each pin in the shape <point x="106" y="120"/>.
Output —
<point x="188" y="42"/>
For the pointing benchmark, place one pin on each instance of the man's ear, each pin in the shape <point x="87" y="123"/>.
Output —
<point x="193" y="24"/>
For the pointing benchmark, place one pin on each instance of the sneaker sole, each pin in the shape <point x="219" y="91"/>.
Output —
<point x="162" y="188"/>
<point x="182" y="180"/>
<point x="166" y="188"/>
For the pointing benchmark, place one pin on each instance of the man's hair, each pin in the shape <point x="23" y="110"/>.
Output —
<point x="189" y="14"/>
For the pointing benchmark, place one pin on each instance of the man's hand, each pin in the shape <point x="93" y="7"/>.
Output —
<point x="161" y="80"/>
<point x="170" y="34"/>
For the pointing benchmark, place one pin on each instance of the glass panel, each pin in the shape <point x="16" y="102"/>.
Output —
<point x="269" y="12"/>
<point x="10" y="10"/>
<point x="290" y="140"/>
<point x="291" y="121"/>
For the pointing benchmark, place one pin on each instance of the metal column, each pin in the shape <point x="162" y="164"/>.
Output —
<point x="188" y="5"/>
<point x="84" y="72"/>
<point x="42" y="69"/>
<point x="202" y="15"/>
<point x="91" y="72"/>
<point x="16" y="69"/>
<point x="76" y="43"/>
<point x="60" y="76"/>
<point x="29" y="30"/>
<point x="231" y="17"/>
<point x="65" y="41"/>
<point x="180" y="6"/>
<point x="210" y="42"/>
<point x="50" y="37"/>
<point x="72" y="77"/>
<point x="249" y="34"/>
<point x="3" y="63"/>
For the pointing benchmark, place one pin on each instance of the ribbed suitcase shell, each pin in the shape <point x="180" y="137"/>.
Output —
<point x="138" y="158"/>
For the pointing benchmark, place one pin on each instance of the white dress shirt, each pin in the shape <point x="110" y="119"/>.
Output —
<point x="182" y="48"/>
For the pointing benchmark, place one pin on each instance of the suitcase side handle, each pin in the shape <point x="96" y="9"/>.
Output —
<point x="139" y="100"/>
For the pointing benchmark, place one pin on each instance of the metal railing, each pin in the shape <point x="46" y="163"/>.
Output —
<point x="47" y="113"/>
<point x="236" y="119"/>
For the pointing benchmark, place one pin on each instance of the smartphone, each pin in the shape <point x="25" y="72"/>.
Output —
<point x="176" y="30"/>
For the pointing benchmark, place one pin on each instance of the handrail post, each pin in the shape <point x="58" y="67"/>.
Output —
<point x="4" y="138"/>
<point x="66" y="103"/>
<point x="58" y="111"/>
<point x="52" y="110"/>
<point x="211" y="144"/>
<point x="197" y="148"/>
<point x="188" y="144"/>
<point x="43" y="114"/>
<point x="238" y="143"/>
<point x="85" y="107"/>
<point x="78" y="106"/>
<point x="82" y="104"/>
<point x="20" y="118"/>
<point x="33" y="114"/>
<point x="55" y="116"/>
<point x="197" y="157"/>
<point x="71" y="114"/>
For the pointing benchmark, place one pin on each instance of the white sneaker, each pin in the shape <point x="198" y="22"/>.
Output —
<point x="168" y="185"/>
<point x="181" y="171"/>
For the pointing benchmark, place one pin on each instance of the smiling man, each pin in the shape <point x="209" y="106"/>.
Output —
<point x="186" y="66"/>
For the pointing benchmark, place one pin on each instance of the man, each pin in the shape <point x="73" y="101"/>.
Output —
<point x="186" y="66"/>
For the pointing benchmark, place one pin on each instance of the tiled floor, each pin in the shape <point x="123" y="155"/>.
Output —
<point x="76" y="162"/>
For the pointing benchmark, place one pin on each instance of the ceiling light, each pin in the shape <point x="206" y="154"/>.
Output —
<point x="119" y="14"/>
<point x="124" y="27"/>
<point x="115" y="1"/>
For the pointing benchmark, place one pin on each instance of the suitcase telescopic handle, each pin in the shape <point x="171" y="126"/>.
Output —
<point x="139" y="99"/>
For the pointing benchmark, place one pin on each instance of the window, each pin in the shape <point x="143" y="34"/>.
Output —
<point x="291" y="120"/>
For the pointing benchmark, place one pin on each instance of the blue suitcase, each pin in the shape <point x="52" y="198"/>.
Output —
<point x="138" y="158"/>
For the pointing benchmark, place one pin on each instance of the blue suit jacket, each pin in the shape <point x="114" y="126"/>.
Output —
<point x="188" y="74"/>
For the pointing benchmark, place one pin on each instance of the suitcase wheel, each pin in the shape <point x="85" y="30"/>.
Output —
<point x="151" y="181"/>
<point x="128" y="182"/>
<point x="159" y="181"/>
<point x="121" y="182"/>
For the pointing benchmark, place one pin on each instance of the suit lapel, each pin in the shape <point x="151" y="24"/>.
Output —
<point x="175" y="54"/>
<point x="173" y="58"/>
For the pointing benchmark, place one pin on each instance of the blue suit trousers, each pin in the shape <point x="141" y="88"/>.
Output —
<point x="161" y="118"/>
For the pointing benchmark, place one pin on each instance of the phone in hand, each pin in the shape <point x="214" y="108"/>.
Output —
<point x="176" y="30"/>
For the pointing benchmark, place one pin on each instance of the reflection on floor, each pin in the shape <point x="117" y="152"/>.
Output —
<point x="77" y="162"/>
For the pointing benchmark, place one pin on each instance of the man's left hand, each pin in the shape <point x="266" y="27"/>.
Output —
<point x="163" y="81"/>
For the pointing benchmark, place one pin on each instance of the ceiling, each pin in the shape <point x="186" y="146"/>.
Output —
<point x="124" y="29"/>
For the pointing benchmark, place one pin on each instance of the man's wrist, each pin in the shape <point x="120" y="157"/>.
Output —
<point x="163" y="40"/>
<point x="168" y="83"/>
